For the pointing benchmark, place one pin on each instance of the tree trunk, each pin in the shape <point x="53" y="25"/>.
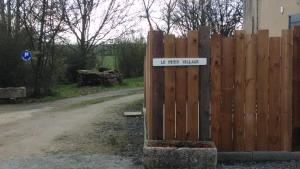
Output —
<point x="9" y="17"/>
<point x="18" y="16"/>
<point x="40" y="56"/>
<point x="83" y="45"/>
<point x="2" y="12"/>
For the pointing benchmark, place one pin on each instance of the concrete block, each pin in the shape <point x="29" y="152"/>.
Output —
<point x="158" y="155"/>
<point x="12" y="92"/>
<point x="132" y="114"/>
<point x="295" y="155"/>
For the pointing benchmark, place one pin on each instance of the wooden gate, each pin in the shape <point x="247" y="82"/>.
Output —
<point x="177" y="98"/>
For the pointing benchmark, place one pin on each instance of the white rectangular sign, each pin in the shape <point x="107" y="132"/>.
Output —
<point x="159" y="62"/>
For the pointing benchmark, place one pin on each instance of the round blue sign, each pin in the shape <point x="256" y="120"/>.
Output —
<point x="26" y="55"/>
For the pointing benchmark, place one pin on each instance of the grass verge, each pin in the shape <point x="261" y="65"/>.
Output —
<point x="91" y="102"/>
<point x="73" y="90"/>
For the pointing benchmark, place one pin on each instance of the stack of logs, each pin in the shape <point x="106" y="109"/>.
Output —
<point x="102" y="76"/>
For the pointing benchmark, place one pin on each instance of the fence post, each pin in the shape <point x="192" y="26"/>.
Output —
<point x="156" y="93"/>
<point x="287" y="80"/>
<point x="204" y="50"/>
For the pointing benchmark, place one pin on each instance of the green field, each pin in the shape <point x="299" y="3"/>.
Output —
<point x="109" y="62"/>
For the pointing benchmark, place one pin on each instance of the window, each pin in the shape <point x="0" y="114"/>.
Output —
<point x="294" y="20"/>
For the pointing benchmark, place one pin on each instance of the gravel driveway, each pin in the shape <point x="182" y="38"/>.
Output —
<point x="69" y="162"/>
<point x="62" y="136"/>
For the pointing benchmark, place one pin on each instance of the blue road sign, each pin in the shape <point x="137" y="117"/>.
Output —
<point x="26" y="55"/>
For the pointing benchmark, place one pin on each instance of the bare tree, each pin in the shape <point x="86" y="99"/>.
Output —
<point x="190" y="14"/>
<point x="224" y="16"/>
<point x="43" y="21"/>
<point x="147" y="4"/>
<point x="168" y="13"/>
<point x="94" y="21"/>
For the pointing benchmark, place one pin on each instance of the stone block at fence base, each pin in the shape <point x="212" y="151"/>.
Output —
<point x="180" y="155"/>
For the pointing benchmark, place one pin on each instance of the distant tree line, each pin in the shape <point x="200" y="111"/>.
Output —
<point x="67" y="35"/>
<point x="41" y="26"/>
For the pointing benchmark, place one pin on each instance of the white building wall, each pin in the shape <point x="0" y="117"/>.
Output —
<point x="269" y="14"/>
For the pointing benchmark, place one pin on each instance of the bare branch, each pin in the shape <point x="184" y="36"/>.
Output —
<point x="82" y="15"/>
<point x="147" y="8"/>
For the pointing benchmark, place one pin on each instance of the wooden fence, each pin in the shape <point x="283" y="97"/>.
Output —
<point x="252" y="106"/>
<point x="252" y="92"/>
<point x="175" y="110"/>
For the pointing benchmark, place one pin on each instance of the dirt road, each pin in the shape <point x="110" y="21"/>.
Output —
<point x="35" y="130"/>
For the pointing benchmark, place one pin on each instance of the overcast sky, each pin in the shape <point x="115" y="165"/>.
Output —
<point x="141" y="26"/>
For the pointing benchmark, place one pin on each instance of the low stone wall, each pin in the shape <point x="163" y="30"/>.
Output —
<point x="180" y="155"/>
<point x="12" y="92"/>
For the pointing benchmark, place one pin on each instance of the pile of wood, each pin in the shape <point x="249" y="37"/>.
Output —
<point x="102" y="76"/>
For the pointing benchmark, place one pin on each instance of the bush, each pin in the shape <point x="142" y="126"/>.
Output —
<point x="130" y="54"/>
<point x="13" y="71"/>
<point x="75" y="61"/>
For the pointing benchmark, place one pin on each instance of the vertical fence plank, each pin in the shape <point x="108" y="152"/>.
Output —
<point x="286" y="71"/>
<point x="145" y="80"/>
<point x="274" y="95"/>
<point x="181" y="90"/>
<point x="250" y="101"/>
<point x="227" y="93"/>
<point x="239" y="99"/>
<point x="204" y="49"/>
<point x="149" y="89"/>
<point x="216" y="52"/>
<point x="157" y="81"/>
<point x="296" y="89"/>
<point x="262" y="89"/>
<point x="169" y="47"/>
<point x="145" y="95"/>
<point x="193" y="87"/>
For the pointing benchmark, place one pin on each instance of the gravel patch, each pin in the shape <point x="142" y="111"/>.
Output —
<point x="125" y="134"/>
<point x="69" y="162"/>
